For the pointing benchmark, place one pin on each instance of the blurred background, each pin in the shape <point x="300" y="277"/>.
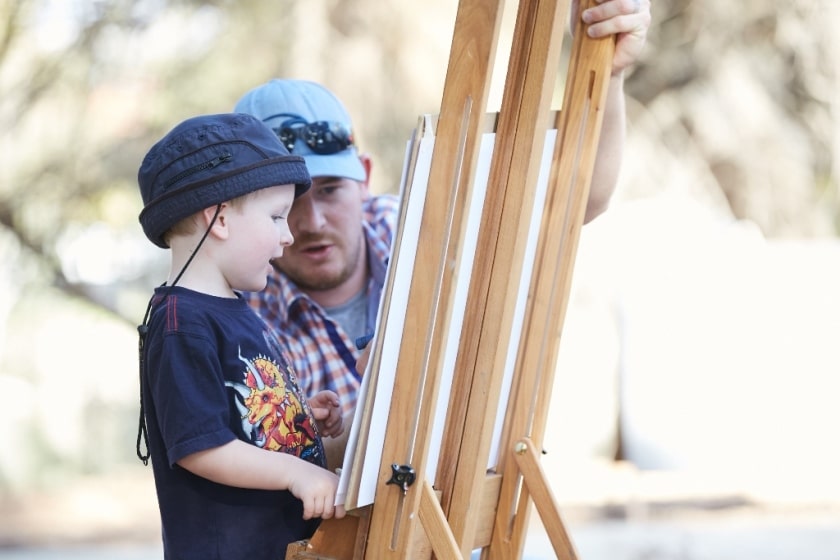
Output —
<point x="695" y="406"/>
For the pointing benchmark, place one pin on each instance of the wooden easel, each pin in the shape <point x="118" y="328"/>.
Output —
<point x="469" y="507"/>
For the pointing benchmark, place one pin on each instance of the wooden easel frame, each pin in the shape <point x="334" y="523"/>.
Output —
<point x="471" y="508"/>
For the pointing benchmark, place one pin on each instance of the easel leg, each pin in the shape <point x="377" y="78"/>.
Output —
<point x="437" y="527"/>
<point x="532" y="473"/>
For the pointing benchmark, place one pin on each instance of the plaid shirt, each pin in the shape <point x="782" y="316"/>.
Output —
<point x="323" y="355"/>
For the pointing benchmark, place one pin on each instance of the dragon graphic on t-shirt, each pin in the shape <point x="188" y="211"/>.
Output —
<point x="273" y="416"/>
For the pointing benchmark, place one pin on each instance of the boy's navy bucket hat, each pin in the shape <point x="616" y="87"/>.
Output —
<point x="211" y="159"/>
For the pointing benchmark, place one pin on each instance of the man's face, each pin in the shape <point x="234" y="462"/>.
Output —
<point x="329" y="243"/>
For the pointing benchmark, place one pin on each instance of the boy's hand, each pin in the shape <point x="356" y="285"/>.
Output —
<point x="326" y="408"/>
<point x="316" y="488"/>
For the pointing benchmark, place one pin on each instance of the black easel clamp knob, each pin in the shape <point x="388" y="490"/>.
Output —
<point x="403" y="476"/>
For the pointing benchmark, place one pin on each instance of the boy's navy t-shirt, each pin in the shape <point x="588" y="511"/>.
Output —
<point x="214" y="373"/>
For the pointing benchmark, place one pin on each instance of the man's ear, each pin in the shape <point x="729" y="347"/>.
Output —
<point x="367" y="163"/>
<point x="219" y="226"/>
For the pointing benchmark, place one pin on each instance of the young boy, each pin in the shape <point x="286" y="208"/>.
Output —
<point x="236" y="449"/>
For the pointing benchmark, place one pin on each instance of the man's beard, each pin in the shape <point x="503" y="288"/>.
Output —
<point x="318" y="281"/>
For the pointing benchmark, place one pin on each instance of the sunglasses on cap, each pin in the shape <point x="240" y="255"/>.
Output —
<point x="322" y="137"/>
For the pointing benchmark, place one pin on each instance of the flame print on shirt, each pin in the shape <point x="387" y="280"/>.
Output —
<point x="272" y="415"/>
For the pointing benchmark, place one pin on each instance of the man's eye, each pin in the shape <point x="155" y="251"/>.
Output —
<point x="278" y="218"/>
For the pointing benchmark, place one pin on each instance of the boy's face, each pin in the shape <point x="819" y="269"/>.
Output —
<point x="259" y="233"/>
<point x="329" y="243"/>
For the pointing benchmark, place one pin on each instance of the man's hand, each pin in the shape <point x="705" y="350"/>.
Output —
<point x="628" y="20"/>
<point x="364" y="358"/>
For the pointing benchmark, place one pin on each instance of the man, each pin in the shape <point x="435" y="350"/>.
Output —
<point x="327" y="286"/>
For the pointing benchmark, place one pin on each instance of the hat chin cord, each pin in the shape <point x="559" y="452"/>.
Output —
<point x="143" y="329"/>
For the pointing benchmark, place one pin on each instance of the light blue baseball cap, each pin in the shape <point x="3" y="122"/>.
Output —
<point x="279" y="102"/>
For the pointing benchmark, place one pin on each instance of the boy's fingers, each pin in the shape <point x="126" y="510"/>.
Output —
<point x="320" y="413"/>
<point x="307" y="509"/>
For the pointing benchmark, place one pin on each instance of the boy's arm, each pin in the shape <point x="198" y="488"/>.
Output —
<point x="244" y="466"/>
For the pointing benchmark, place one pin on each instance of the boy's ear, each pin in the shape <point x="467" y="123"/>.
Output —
<point x="219" y="227"/>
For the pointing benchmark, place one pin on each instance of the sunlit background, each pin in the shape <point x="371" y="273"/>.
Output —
<point x="695" y="408"/>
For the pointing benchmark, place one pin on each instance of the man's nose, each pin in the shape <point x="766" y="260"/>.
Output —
<point x="307" y="216"/>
